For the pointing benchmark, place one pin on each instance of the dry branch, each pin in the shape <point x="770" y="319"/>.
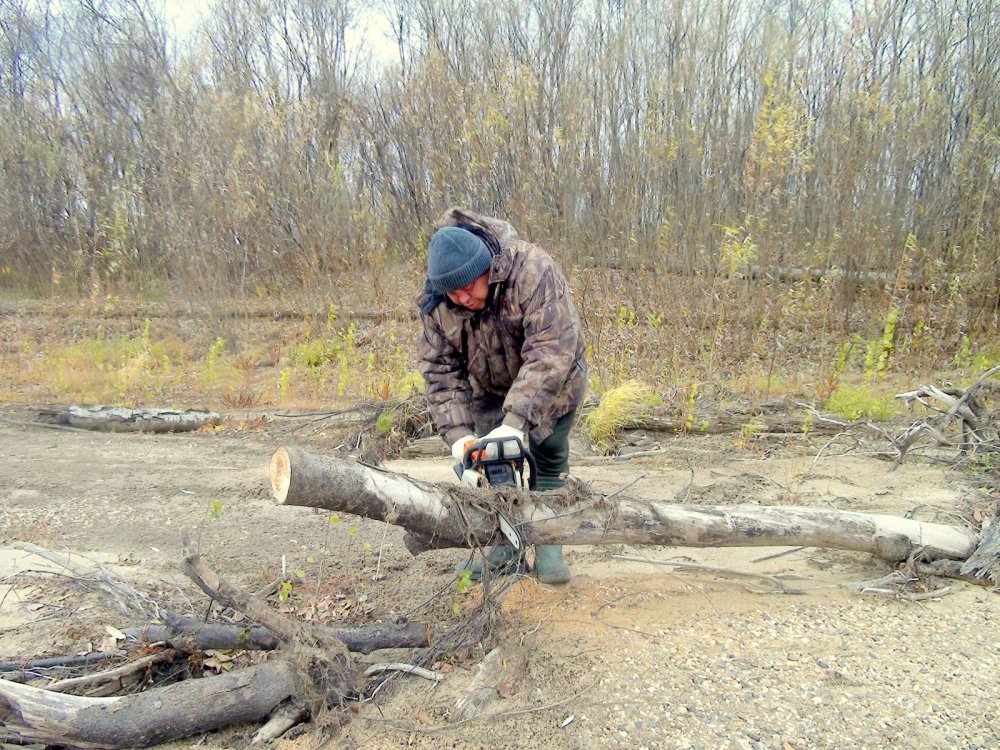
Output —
<point x="85" y="570"/>
<point x="115" y="675"/>
<point x="191" y="635"/>
<point x="322" y="659"/>
<point x="776" y="582"/>
<point x="460" y="517"/>
<point x="979" y="431"/>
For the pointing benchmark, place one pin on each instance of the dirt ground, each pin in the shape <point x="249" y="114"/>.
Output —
<point x="629" y="654"/>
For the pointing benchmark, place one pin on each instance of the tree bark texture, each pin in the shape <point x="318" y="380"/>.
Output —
<point x="121" y="419"/>
<point x="189" y="635"/>
<point x="33" y="715"/>
<point x="462" y="517"/>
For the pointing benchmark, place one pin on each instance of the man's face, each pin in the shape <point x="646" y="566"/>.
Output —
<point x="472" y="296"/>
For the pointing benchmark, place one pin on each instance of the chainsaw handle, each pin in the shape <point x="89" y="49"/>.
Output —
<point x="469" y="460"/>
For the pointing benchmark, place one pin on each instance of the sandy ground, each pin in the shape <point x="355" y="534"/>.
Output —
<point x="629" y="654"/>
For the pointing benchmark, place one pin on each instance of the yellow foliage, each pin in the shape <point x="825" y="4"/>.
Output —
<point x="619" y="407"/>
<point x="781" y="140"/>
<point x="411" y="384"/>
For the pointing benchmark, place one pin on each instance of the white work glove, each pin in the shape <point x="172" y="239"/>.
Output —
<point x="503" y="432"/>
<point x="459" y="446"/>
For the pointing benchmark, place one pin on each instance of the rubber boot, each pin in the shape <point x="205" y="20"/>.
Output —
<point x="550" y="565"/>
<point x="498" y="561"/>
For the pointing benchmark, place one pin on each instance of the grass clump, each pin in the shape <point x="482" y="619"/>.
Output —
<point x="860" y="402"/>
<point x="411" y="384"/>
<point x="619" y="407"/>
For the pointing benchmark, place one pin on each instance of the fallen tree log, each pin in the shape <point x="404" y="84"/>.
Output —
<point x="463" y="517"/>
<point x="720" y="422"/>
<point x="315" y="669"/>
<point x="33" y="715"/>
<point x="121" y="419"/>
<point x="189" y="635"/>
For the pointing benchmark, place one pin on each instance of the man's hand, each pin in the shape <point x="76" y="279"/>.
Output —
<point x="504" y="432"/>
<point x="459" y="447"/>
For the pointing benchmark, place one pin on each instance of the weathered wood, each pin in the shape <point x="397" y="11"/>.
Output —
<point x="117" y="675"/>
<point x="120" y="419"/>
<point x="984" y="563"/>
<point x="285" y="716"/>
<point x="33" y="715"/>
<point x="460" y="517"/>
<point x="189" y="634"/>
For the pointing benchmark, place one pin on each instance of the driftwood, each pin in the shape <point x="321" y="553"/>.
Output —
<point x="120" y="419"/>
<point x="322" y="659"/>
<point x="190" y="635"/>
<point x="31" y="715"/>
<point x="979" y="428"/>
<point x="461" y="517"/>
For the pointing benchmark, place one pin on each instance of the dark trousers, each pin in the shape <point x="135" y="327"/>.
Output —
<point x="552" y="454"/>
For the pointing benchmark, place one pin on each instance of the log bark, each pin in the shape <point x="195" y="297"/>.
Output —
<point x="32" y="715"/>
<point x="189" y="634"/>
<point x="120" y="419"/>
<point x="723" y="423"/>
<point x="462" y="517"/>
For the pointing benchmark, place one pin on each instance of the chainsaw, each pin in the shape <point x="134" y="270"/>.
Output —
<point x="498" y="462"/>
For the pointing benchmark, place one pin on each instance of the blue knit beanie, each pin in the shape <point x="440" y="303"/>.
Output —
<point x="455" y="258"/>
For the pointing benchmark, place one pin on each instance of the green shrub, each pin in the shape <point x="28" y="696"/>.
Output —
<point x="860" y="402"/>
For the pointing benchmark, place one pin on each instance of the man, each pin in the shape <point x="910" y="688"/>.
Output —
<point x="502" y="354"/>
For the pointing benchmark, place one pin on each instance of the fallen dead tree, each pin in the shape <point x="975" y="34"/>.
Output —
<point x="33" y="715"/>
<point x="121" y="419"/>
<point x="460" y="517"/>
<point x="722" y="422"/>
<point x="313" y="667"/>
<point x="965" y="407"/>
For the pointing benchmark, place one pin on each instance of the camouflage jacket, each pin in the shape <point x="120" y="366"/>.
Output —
<point x="521" y="358"/>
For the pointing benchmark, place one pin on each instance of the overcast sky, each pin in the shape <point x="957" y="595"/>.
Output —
<point x="371" y="27"/>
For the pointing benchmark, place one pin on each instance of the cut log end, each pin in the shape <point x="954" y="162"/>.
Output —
<point x="280" y="472"/>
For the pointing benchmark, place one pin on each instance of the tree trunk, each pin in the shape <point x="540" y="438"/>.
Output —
<point x="120" y="419"/>
<point x="460" y="517"/>
<point x="32" y="715"/>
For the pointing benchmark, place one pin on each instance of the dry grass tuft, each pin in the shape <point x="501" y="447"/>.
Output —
<point x="619" y="407"/>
